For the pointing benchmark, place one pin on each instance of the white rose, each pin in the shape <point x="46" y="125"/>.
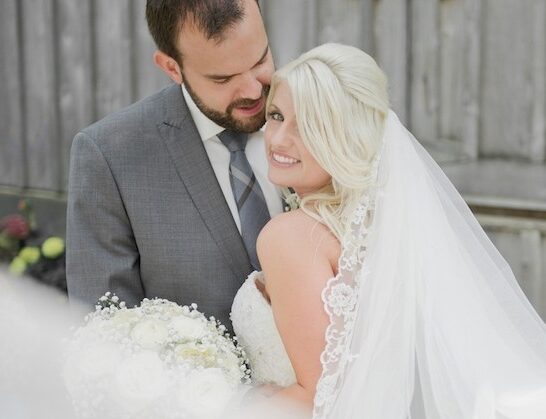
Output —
<point x="206" y="393"/>
<point x="125" y="316"/>
<point x="140" y="379"/>
<point x="150" y="334"/>
<point x="189" y="328"/>
<point x="196" y="354"/>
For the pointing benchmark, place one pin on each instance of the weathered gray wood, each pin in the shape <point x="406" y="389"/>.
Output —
<point x="296" y="34"/>
<point x="367" y="41"/>
<point x="311" y="32"/>
<point x="40" y="95"/>
<point x="507" y="82"/>
<point x="114" y="72"/>
<point x="12" y="162"/>
<point x="424" y="110"/>
<point x="459" y="74"/>
<point x="472" y="70"/>
<point x="538" y="140"/>
<point x="391" y="50"/>
<point x="75" y="74"/>
<point x="345" y="21"/>
<point x="478" y="69"/>
<point x="452" y="63"/>
<point x="509" y="181"/>
<point x="149" y="78"/>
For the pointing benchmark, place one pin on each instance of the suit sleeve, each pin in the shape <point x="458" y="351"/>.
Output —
<point x="101" y="251"/>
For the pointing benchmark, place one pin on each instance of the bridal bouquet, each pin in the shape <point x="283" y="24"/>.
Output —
<point x="157" y="360"/>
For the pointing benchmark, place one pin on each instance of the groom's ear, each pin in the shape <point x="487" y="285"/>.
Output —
<point x="169" y="66"/>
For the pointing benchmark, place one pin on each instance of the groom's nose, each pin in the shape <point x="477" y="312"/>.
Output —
<point x="251" y="87"/>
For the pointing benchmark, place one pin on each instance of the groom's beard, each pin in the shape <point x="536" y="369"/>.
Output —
<point x="226" y="119"/>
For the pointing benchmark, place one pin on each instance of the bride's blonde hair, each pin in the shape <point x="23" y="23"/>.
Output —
<point x="341" y="104"/>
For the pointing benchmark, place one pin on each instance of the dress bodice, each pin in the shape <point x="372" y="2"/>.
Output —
<point x="254" y="325"/>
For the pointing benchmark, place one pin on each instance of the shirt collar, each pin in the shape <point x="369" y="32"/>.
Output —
<point x="207" y="129"/>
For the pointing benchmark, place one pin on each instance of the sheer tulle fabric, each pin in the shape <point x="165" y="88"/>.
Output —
<point x="427" y="319"/>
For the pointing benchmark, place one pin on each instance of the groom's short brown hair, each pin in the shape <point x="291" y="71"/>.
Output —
<point x="166" y="17"/>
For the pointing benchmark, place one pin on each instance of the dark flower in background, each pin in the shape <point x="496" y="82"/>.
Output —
<point x="14" y="230"/>
<point x="15" y="226"/>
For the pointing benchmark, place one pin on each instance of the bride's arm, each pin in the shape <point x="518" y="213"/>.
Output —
<point x="297" y="256"/>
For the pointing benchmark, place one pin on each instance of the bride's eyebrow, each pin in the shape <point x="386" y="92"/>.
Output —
<point x="273" y="107"/>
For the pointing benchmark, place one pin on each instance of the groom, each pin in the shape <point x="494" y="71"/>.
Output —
<point x="167" y="196"/>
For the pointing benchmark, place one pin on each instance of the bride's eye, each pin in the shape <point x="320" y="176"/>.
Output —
<point x="276" y="116"/>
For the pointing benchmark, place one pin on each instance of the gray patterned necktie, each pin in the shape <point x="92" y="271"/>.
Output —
<point x="248" y="195"/>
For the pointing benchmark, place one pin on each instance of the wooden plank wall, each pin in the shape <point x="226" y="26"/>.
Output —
<point x="65" y="64"/>
<point x="40" y="75"/>
<point x="76" y="74"/>
<point x="469" y="75"/>
<point x="12" y="150"/>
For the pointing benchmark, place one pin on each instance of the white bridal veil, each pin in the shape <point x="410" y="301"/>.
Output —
<point x="427" y="319"/>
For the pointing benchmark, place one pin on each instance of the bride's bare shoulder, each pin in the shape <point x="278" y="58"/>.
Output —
<point x="297" y="235"/>
<point x="294" y="225"/>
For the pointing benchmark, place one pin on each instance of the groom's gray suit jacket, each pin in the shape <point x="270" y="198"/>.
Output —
<point x="146" y="216"/>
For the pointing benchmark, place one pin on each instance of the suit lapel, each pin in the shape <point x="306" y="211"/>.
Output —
<point x="195" y="171"/>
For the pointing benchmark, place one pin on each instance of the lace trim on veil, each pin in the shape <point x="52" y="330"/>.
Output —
<point x="448" y="316"/>
<point x="340" y="298"/>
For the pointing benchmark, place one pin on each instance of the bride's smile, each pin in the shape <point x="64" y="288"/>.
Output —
<point x="283" y="160"/>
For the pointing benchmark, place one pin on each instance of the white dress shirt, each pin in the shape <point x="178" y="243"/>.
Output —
<point x="219" y="157"/>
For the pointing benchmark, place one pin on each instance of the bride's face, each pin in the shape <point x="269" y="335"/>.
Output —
<point x="290" y="163"/>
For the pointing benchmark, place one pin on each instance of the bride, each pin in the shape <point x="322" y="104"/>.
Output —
<point x="380" y="297"/>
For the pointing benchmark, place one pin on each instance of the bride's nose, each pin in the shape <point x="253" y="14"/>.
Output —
<point x="277" y="136"/>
